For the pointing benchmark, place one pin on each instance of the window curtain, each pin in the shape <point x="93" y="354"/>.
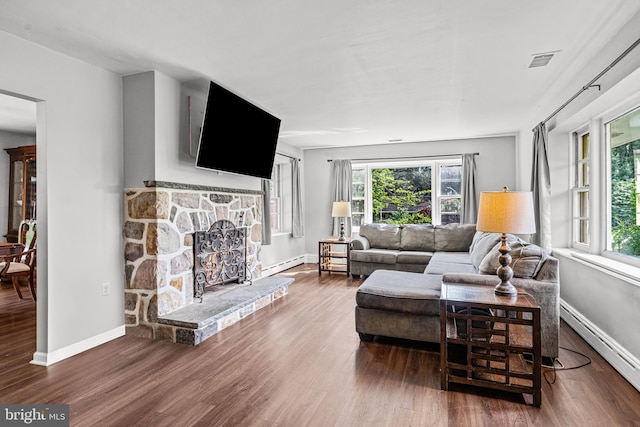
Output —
<point x="340" y="192"/>
<point x="469" y="199"/>
<point x="266" y="212"/>
<point x="297" y="226"/>
<point x="541" y="188"/>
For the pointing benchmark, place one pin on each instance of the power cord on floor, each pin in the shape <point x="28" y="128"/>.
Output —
<point x="562" y="367"/>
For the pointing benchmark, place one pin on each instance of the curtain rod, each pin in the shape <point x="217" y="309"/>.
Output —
<point x="286" y="155"/>
<point x="410" y="157"/>
<point x="591" y="83"/>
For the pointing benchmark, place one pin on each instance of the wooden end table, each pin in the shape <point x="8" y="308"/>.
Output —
<point x="334" y="255"/>
<point x="490" y="340"/>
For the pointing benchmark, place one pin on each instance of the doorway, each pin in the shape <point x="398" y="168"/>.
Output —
<point x="18" y="183"/>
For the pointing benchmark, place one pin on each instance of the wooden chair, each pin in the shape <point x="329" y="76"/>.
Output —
<point x="27" y="233"/>
<point x="13" y="267"/>
<point x="10" y="248"/>
<point x="23" y="264"/>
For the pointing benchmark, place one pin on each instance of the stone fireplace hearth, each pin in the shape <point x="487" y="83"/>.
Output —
<point x="160" y="221"/>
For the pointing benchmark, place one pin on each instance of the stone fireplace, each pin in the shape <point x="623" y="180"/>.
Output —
<point x="160" y="222"/>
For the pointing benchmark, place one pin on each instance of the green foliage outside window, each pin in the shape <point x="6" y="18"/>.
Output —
<point x="401" y="195"/>
<point x="624" y="230"/>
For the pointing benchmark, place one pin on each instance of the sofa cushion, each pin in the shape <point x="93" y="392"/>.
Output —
<point x="454" y="257"/>
<point x="526" y="258"/>
<point x="401" y="291"/>
<point x="482" y="244"/>
<point x="414" y="257"/>
<point x="439" y="267"/>
<point x="417" y="237"/>
<point x="454" y="237"/>
<point x="383" y="236"/>
<point x="379" y="256"/>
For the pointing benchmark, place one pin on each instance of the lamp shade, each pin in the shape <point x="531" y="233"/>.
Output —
<point x="506" y="212"/>
<point x="341" y="210"/>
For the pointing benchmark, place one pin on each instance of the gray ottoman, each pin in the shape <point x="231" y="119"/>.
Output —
<point x="399" y="304"/>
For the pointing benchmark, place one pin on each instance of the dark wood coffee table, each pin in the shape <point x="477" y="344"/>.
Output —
<point x="490" y="340"/>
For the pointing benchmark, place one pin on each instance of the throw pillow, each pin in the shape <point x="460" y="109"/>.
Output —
<point x="417" y="237"/>
<point x="482" y="244"/>
<point x="382" y="236"/>
<point x="454" y="237"/>
<point x="526" y="258"/>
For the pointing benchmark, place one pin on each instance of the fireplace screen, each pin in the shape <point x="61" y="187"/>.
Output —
<point x="219" y="256"/>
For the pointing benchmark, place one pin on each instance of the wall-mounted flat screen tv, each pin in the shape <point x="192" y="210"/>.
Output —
<point x="237" y="136"/>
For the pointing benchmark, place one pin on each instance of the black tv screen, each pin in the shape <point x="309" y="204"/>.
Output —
<point x="236" y="136"/>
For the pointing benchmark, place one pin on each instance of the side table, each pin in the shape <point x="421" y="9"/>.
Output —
<point x="490" y="340"/>
<point x="334" y="255"/>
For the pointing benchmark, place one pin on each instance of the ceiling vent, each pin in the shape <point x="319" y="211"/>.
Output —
<point x="541" y="60"/>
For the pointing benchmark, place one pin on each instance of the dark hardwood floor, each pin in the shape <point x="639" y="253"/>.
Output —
<point x="297" y="362"/>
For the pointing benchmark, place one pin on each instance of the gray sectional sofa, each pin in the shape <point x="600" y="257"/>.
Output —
<point x="405" y="265"/>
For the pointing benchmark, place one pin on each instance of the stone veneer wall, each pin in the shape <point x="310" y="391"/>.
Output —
<point x="160" y="220"/>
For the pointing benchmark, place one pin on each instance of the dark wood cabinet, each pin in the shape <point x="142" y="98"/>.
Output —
<point x="22" y="188"/>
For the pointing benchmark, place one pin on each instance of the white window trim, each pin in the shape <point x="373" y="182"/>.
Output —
<point x="435" y="183"/>
<point x="575" y="141"/>
<point x="599" y="247"/>
<point x="277" y="197"/>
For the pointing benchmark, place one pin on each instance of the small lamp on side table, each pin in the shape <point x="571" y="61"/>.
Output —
<point x="341" y="210"/>
<point x="506" y="212"/>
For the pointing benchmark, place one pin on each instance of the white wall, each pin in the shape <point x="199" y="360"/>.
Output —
<point x="156" y="136"/>
<point x="8" y="140"/>
<point x="157" y="148"/>
<point x="80" y="177"/>
<point x="495" y="169"/>
<point x="284" y="247"/>
<point x="81" y="174"/>
<point x="139" y="128"/>
<point x="604" y="300"/>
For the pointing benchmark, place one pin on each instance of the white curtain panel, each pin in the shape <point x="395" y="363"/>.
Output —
<point x="541" y="188"/>
<point x="469" y="199"/>
<point x="340" y="192"/>
<point x="266" y="213"/>
<point x="297" y="226"/>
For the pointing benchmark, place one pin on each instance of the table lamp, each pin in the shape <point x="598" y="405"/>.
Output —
<point x="341" y="210"/>
<point x="506" y="212"/>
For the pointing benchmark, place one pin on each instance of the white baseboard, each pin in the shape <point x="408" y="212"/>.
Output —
<point x="46" y="359"/>
<point x="282" y="266"/>
<point x="622" y="361"/>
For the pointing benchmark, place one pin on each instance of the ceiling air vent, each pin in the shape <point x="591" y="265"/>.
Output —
<point x="542" y="59"/>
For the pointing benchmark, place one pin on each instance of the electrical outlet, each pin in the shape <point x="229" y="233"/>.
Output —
<point x="106" y="289"/>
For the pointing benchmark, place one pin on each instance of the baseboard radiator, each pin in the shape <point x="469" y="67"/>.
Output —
<point x="622" y="361"/>
<point x="284" y="265"/>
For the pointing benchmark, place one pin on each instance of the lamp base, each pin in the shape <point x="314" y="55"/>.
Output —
<point x="505" y="289"/>
<point x="504" y="272"/>
<point x="342" y="238"/>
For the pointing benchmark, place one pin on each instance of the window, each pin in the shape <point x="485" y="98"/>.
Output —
<point x="403" y="192"/>
<point x="623" y="223"/>
<point x="358" y="183"/>
<point x="276" y="198"/>
<point x="581" y="189"/>
<point x="449" y="197"/>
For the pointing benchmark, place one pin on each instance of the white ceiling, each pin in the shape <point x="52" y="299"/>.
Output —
<point x="344" y="72"/>
<point x="17" y="115"/>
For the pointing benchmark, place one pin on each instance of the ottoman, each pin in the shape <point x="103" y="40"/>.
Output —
<point x="399" y="304"/>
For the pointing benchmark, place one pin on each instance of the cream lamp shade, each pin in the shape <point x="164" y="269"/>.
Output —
<point x="341" y="210"/>
<point x="506" y="212"/>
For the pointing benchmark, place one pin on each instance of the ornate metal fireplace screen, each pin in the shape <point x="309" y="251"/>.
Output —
<point x="220" y="256"/>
